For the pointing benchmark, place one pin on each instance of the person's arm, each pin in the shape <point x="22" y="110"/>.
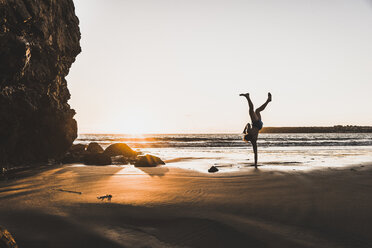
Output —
<point x="247" y="127"/>
<point x="254" y="144"/>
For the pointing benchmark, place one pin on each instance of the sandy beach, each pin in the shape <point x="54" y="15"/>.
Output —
<point x="172" y="207"/>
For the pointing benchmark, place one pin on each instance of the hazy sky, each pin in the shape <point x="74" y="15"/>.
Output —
<point x="170" y="66"/>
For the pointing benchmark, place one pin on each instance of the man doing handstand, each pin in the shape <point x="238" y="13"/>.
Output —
<point x="251" y="132"/>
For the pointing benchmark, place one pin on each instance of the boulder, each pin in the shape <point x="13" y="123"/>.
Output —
<point x="120" y="149"/>
<point x="120" y="160"/>
<point x="148" y="161"/>
<point x="70" y="158"/>
<point x="94" y="147"/>
<point x="213" y="169"/>
<point x="75" y="154"/>
<point x="39" y="41"/>
<point x="77" y="148"/>
<point x="97" y="159"/>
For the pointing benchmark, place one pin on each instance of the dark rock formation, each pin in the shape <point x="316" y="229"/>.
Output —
<point x="94" y="155"/>
<point x="148" y="161"/>
<point x="120" y="149"/>
<point x="116" y="154"/>
<point x="77" y="148"/>
<point x="94" y="147"/>
<point x="97" y="159"/>
<point x="120" y="160"/>
<point x="213" y="169"/>
<point x="75" y="154"/>
<point x="39" y="40"/>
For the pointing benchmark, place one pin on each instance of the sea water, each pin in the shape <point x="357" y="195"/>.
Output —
<point x="229" y="152"/>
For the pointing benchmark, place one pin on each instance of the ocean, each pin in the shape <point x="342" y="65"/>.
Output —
<point x="229" y="152"/>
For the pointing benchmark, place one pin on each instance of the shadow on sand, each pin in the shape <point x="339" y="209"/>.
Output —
<point x="154" y="171"/>
<point x="115" y="225"/>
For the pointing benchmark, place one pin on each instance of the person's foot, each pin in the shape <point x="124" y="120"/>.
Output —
<point x="269" y="97"/>
<point x="246" y="94"/>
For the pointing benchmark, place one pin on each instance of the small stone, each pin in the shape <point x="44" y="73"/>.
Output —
<point x="213" y="169"/>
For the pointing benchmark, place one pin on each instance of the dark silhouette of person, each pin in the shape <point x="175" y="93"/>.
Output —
<point x="251" y="132"/>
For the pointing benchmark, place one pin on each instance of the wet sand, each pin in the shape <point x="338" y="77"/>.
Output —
<point x="171" y="207"/>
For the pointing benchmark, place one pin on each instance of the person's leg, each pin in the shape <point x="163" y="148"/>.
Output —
<point x="252" y="113"/>
<point x="258" y="111"/>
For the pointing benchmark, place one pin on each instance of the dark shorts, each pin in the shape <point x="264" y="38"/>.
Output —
<point x="258" y="124"/>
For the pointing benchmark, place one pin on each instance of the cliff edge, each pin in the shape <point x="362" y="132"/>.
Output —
<point x="39" y="40"/>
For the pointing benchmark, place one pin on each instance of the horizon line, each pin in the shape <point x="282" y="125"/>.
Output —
<point x="123" y="133"/>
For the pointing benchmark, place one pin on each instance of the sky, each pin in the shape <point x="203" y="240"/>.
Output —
<point x="172" y="66"/>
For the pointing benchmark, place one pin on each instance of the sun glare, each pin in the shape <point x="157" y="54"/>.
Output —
<point x="132" y="130"/>
<point x="133" y="122"/>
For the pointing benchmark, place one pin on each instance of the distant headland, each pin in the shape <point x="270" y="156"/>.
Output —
<point x="332" y="129"/>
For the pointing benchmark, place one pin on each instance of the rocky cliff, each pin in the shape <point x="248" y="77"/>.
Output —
<point x="39" y="40"/>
